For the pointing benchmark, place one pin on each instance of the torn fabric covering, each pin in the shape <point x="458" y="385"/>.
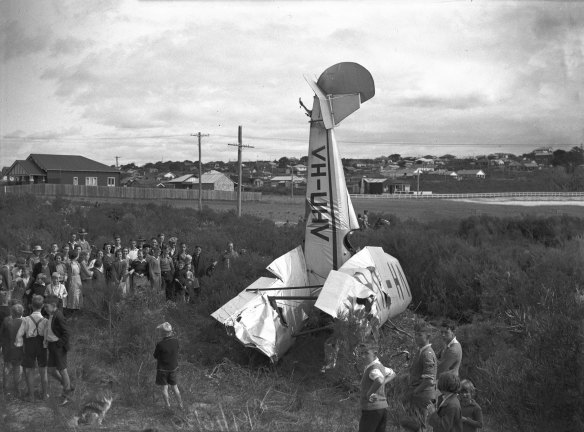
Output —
<point x="370" y="272"/>
<point x="254" y="319"/>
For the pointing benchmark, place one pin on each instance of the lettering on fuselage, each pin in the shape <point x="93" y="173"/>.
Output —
<point x="319" y="199"/>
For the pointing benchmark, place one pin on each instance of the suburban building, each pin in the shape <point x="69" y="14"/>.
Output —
<point x="471" y="174"/>
<point x="212" y="180"/>
<point x="62" y="169"/>
<point x="187" y="181"/>
<point x="376" y="186"/>
<point x="285" y="181"/>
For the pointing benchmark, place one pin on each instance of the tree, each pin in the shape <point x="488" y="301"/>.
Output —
<point x="395" y="157"/>
<point x="283" y="162"/>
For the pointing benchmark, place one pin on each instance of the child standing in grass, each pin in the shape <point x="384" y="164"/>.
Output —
<point x="166" y="355"/>
<point x="448" y="417"/>
<point x="472" y="414"/>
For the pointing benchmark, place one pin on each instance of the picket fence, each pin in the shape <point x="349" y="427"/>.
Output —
<point x="105" y="192"/>
<point x="534" y="195"/>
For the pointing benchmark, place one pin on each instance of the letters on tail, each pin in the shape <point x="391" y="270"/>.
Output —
<point x="271" y="311"/>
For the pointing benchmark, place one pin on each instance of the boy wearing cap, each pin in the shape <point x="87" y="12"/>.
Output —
<point x="56" y="340"/>
<point x="166" y="355"/>
<point x="373" y="400"/>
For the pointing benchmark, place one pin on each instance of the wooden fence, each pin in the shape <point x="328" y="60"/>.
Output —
<point x="534" y="195"/>
<point x="105" y="192"/>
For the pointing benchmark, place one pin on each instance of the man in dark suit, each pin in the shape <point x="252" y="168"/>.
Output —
<point x="57" y="342"/>
<point x="200" y="267"/>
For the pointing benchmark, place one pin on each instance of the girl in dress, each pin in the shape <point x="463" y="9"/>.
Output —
<point x="75" y="295"/>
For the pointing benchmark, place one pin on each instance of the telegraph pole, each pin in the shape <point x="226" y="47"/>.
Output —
<point x="239" y="148"/>
<point x="117" y="158"/>
<point x="199" y="135"/>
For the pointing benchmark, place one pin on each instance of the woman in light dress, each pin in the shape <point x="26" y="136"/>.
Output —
<point x="75" y="295"/>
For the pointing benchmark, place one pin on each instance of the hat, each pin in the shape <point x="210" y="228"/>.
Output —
<point x="172" y="240"/>
<point x="82" y="231"/>
<point x="165" y="326"/>
<point x="56" y="274"/>
<point x="37" y="248"/>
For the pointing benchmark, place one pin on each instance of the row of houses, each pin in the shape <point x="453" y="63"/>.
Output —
<point x="61" y="169"/>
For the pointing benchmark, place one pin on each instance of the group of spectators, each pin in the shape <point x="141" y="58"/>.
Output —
<point x="76" y="267"/>
<point x="37" y="293"/>
<point x="436" y="396"/>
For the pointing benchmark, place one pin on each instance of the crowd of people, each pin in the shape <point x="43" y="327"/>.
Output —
<point x="40" y="294"/>
<point x="76" y="267"/>
<point x="436" y="396"/>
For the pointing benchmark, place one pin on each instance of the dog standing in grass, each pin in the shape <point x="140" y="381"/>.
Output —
<point x="166" y="355"/>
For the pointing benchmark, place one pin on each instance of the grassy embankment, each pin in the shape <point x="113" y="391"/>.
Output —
<point x="509" y="281"/>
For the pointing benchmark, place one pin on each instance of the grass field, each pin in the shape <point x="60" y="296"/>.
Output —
<point x="282" y="209"/>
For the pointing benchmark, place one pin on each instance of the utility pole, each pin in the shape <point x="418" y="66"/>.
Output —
<point x="291" y="180"/>
<point x="117" y="157"/>
<point x="239" y="148"/>
<point x="199" y="135"/>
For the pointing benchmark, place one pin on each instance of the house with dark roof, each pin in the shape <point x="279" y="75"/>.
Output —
<point x="63" y="169"/>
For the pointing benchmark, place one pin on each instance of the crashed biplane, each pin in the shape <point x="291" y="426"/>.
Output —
<point x="327" y="272"/>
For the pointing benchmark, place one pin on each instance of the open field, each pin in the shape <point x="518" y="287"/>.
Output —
<point x="282" y="209"/>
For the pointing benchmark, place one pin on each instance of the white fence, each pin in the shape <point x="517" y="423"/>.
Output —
<point x="534" y="195"/>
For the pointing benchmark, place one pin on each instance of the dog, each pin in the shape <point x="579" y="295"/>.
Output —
<point x="93" y="412"/>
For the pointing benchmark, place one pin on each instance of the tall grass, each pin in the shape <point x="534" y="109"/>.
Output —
<point x="513" y="284"/>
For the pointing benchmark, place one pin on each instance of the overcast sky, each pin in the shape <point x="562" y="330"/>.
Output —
<point x="135" y="78"/>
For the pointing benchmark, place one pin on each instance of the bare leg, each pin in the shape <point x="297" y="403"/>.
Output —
<point x="56" y="374"/>
<point x="16" y="376"/>
<point x="44" y="381"/>
<point x="4" y="377"/>
<point x="177" y="393"/>
<point x="165" y="395"/>
<point x="29" y="383"/>
<point x="65" y="380"/>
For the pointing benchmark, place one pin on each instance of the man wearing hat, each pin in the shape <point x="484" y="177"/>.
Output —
<point x="373" y="401"/>
<point x="84" y="244"/>
<point x="35" y="258"/>
<point x="166" y="355"/>
<point x="422" y="380"/>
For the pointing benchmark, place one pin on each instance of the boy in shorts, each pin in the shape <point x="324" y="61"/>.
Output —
<point x="11" y="354"/>
<point x="166" y="355"/>
<point x="57" y="342"/>
<point x="31" y="336"/>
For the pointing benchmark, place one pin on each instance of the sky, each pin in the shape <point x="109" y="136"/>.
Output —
<point x="136" y="79"/>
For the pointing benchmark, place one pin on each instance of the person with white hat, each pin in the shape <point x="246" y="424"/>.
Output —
<point x="166" y="355"/>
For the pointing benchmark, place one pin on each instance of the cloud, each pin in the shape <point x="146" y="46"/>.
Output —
<point x="18" y="42"/>
<point x="70" y="46"/>
<point x="457" y="102"/>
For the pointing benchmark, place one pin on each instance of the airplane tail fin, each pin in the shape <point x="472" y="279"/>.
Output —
<point x="341" y="89"/>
